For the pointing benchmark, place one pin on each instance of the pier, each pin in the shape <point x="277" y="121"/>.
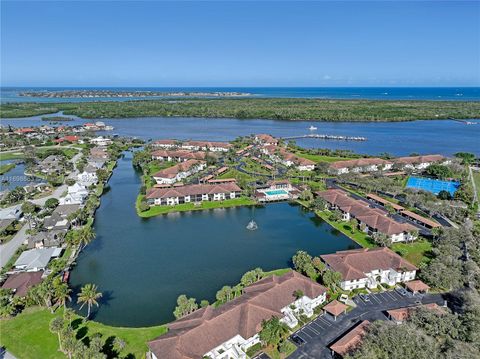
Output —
<point x="327" y="137"/>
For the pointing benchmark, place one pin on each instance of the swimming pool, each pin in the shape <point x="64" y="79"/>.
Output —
<point x="276" y="192"/>
<point x="433" y="185"/>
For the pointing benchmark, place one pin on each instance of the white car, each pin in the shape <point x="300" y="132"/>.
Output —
<point x="343" y="298"/>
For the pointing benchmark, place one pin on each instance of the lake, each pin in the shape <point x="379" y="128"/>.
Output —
<point x="444" y="137"/>
<point x="142" y="265"/>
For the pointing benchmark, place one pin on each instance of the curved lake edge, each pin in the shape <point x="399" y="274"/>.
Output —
<point x="121" y="266"/>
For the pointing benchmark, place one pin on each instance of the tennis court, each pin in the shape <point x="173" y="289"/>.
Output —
<point x="433" y="185"/>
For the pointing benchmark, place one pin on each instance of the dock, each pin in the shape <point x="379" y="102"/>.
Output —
<point x="327" y="137"/>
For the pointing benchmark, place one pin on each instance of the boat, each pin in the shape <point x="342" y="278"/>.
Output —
<point x="312" y="128"/>
<point x="252" y="225"/>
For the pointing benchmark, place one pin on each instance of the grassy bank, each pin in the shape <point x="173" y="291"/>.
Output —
<point x="416" y="253"/>
<point x="358" y="236"/>
<point x="5" y="168"/>
<point x="267" y="108"/>
<point x="27" y="336"/>
<point x="158" y="210"/>
<point x="11" y="156"/>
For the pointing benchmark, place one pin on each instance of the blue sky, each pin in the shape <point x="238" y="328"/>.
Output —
<point x="419" y="43"/>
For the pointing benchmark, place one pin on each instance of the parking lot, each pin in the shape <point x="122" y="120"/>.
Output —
<point x="324" y="330"/>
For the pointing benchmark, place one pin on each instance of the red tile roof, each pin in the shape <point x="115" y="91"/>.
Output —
<point x="402" y="314"/>
<point x="22" y="282"/>
<point x="373" y="217"/>
<point x="335" y="308"/>
<point x="171" y="172"/>
<point x="351" y="340"/>
<point x="182" y="154"/>
<point x="205" y="329"/>
<point x="353" y="264"/>
<point x="419" y="159"/>
<point x="417" y="286"/>
<point x="361" y="162"/>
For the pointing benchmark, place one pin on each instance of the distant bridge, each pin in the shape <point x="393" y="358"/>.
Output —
<point x="327" y="137"/>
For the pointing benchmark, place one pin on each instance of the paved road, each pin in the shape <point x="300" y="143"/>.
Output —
<point x="324" y="330"/>
<point x="8" y="249"/>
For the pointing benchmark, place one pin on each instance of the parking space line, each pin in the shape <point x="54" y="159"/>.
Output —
<point x="298" y="334"/>
<point x="303" y="332"/>
<point x="326" y="322"/>
<point x="310" y="327"/>
<point x="374" y="297"/>
<point x="319" y="327"/>
<point x="390" y="294"/>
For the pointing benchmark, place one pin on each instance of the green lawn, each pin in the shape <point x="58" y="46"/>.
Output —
<point x="416" y="252"/>
<point x="11" y="156"/>
<point x="320" y="158"/>
<point x="5" y="168"/>
<point x="358" y="236"/>
<point x="27" y="336"/>
<point x="476" y="178"/>
<point x="157" y="210"/>
<point x="239" y="176"/>
<point x="67" y="151"/>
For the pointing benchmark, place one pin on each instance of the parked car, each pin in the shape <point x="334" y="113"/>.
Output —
<point x="343" y="298"/>
<point x="401" y="291"/>
<point x="365" y="297"/>
<point x="297" y="340"/>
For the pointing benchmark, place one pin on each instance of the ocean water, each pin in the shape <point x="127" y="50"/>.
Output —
<point x="11" y="94"/>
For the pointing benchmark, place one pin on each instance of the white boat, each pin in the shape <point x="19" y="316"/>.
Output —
<point x="252" y="225"/>
<point x="312" y="128"/>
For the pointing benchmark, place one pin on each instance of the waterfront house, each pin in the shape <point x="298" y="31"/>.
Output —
<point x="178" y="172"/>
<point x="350" y="341"/>
<point x="227" y="331"/>
<point x="206" y="146"/>
<point x="419" y="162"/>
<point x="165" y="143"/>
<point x="76" y="194"/>
<point x="56" y="222"/>
<point x="51" y="165"/>
<point x="193" y="193"/>
<point x="100" y="141"/>
<point x="369" y="267"/>
<point x="87" y="178"/>
<point x="372" y="220"/>
<point x="178" y="155"/>
<point x="266" y="140"/>
<point x="49" y="238"/>
<point x="360" y="165"/>
<point x="20" y="283"/>
<point x="34" y="260"/>
<point x="98" y="153"/>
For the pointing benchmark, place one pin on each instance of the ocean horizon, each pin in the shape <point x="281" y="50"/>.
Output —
<point x="12" y="94"/>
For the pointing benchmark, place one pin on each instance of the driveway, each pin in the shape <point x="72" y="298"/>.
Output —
<point x="324" y="330"/>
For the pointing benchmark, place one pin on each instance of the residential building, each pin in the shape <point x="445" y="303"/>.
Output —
<point x="178" y="172"/>
<point x="14" y="212"/>
<point x="369" y="267"/>
<point x="193" y="193"/>
<point x="227" y="331"/>
<point x="419" y="162"/>
<point x="206" y="146"/>
<point x="166" y="143"/>
<point x="34" y="260"/>
<point x="360" y="165"/>
<point x="266" y="140"/>
<point x="45" y="239"/>
<point x="87" y="178"/>
<point x="100" y="141"/>
<point x="372" y="220"/>
<point x="76" y="194"/>
<point x="178" y="155"/>
<point x="20" y="283"/>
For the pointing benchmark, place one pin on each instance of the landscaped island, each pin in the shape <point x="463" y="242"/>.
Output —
<point x="271" y="108"/>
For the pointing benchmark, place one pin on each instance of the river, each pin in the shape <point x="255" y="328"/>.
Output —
<point x="444" y="137"/>
<point x="142" y="265"/>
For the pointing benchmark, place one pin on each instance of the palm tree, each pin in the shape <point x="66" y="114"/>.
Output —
<point x="273" y="331"/>
<point x="62" y="294"/>
<point x="56" y="326"/>
<point x="85" y="236"/>
<point x="88" y="295"/>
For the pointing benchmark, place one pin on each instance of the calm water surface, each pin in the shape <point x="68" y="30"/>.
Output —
<point x="397" y="138"/>
<point x="142" y="265"/>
